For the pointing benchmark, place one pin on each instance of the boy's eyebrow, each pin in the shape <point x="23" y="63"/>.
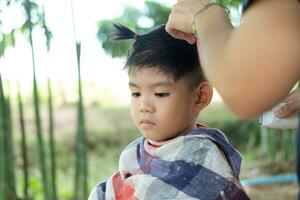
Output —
<point x="161" y="83"/>
<point x="131" y="84"/>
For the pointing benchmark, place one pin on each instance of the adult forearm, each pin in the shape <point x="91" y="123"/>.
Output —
<point x="255" y="65"/>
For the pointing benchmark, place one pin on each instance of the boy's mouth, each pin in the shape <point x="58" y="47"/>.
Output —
<point x="146" y="123"/>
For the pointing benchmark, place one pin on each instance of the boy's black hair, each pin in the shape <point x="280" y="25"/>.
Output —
<point x="160" y="50"/>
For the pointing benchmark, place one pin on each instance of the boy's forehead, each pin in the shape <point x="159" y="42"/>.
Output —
<point x="150" y="76"/>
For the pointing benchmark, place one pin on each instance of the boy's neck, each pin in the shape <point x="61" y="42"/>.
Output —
<point x="161" y="143"/>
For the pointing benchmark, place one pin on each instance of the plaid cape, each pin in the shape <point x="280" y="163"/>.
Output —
<point x="199" y="165"/>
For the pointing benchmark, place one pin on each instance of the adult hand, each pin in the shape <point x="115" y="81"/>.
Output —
<point x="292" y="105"/>
<point x="179" y="24"/>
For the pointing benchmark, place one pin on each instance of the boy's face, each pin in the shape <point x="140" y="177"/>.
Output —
<point x="160" y="107"/>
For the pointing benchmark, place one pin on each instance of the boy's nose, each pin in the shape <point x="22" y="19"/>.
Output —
<point x="146" y="107"/>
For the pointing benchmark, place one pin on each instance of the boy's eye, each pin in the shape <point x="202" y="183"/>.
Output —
<point x="162" y="94"/>
<point x="135" y="94"/>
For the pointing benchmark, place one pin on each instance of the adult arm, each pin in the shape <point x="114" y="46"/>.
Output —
<point x="253" y="66"/>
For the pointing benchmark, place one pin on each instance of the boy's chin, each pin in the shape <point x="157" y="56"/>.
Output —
<point x="153" y="138"/>
<point x="157" y="139"/>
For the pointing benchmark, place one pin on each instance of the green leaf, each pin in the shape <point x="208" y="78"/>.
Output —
<point x="228" y="3"/>
<point x="155" y="11"/>
<point x="47" y="32"/>
<point x="9" y="39"/>
<point x="2" y="47"/>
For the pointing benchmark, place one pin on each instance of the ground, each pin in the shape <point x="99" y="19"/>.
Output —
<point x="273" y="192"/>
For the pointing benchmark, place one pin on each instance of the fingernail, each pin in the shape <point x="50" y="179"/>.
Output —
<point x="279" y="113"/>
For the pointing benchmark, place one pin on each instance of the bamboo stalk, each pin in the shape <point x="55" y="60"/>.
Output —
<point x="81" y="129"/>
<point x="81" y="161"/>
<point x="10" y="149"/>
<point x="52" y="142"/>
<point x="7" y="169"/>
<point x="81" y="183"/>
<point x="264" y="142"/>
<point x="3" y="184"/>
<point x="41" y="145"/>
<point x="40" y="140"/>
<point x="23" y="145"/>
<point x="272" y="145"/>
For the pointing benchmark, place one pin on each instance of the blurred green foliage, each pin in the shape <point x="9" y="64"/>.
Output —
<point x="233" y="3"/>
<point x="156" y="14"/>
<point x="38" y="20"/>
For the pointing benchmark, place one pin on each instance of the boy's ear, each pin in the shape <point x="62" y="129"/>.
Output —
<point x="204" y="93"/>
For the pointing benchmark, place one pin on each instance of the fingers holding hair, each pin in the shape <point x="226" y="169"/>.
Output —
<point x="179" y="22"/>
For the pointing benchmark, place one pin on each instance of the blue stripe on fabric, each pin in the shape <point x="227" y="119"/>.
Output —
<point x="206" y="184"/>
<point x="101" y="189"/>
<point x="194" y="180"/>
<point x="233" y="156"/>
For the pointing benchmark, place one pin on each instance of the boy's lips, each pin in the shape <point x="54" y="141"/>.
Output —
<point x="146" y="123"/>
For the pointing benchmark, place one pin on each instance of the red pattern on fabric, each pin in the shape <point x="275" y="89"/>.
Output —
<point x="198" y="125"/>
<point x="123" y="190"/>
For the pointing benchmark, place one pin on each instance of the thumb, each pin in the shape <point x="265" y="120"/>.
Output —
<point x="288" y="109"/>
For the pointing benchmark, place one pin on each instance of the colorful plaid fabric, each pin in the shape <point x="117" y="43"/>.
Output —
<point x="199" y="165"/>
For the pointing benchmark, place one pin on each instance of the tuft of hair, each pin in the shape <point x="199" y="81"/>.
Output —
<point x="120" y="32"/>
<point x="157" y="49"/>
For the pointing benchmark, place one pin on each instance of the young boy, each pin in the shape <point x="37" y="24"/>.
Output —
<point x="176" y="158"/>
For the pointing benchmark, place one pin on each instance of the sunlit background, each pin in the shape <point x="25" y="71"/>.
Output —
<point x="103" y="77"/>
